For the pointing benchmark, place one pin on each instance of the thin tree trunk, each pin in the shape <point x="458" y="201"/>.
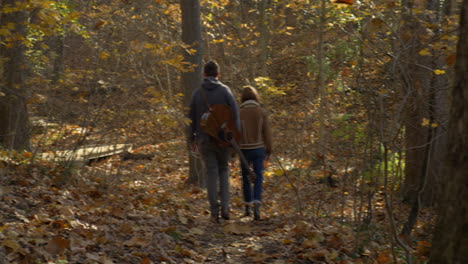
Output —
<point x="450" y="243"/>
<point x="58" y="60"/>
<point x="14" y="122"/>
<point x="264" y="37"/>
<point x="191" y="80"/>
<point x="321" y="83"/>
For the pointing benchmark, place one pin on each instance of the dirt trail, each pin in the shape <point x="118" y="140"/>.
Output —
<point x="239" y="240"/>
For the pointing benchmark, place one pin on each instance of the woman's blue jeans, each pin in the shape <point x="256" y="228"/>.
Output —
<point x="255" y="158"/>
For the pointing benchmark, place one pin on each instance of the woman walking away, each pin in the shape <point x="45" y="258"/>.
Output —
<point x="256" y="147"/>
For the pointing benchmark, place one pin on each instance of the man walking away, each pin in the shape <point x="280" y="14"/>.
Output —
<point x="215" y="156"/>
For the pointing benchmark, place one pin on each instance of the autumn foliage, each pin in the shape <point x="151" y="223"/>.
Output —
<point x="346" y="122"/>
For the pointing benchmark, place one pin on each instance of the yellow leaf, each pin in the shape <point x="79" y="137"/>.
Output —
<point x="4" y="32"/>
<point x="278" y="172"/>
<point x="425" y="122"/>
<point x="439" y="72"/>
<point x="216" y="41"/>
<point x="104" y="55"/>
<point x="425" y="52"/>
<point x="10" y="26"/>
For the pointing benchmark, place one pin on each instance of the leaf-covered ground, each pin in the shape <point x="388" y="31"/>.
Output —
<point x="141" y="211"/>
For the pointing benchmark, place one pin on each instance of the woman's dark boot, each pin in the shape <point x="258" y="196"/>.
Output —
<point x="256" y="211"/>
<point x="247" y="210"/>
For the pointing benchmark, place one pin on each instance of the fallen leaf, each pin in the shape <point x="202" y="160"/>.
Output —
<point x="310" y="243"/>
<point x="237" y="229"/>
<point x="196" y="231"/>
<point x="183" y="219"/>
<point x="138" y="241"/>
<point x="126" y="228"/>
<point x="321" y="253"/>
<point x="335" y="241"/>
<point x="57" y="245"/>
<point x="146" y="261"/>
<point x="92" y="256"/>
<point x="14" y="245"/>
<point x="348" y="2"/>
<point x="315" y="235"/>
<point x="384" y="258"/>
<point x="256" y="256"/>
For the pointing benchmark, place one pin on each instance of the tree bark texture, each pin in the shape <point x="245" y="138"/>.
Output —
<point x="264" y="37"/>
<point x="58" y="67"/>
<point x="427" y="99"/>
<point x="450" y="243"/>
<point x="14" y="122"/>
<point x="191" y="80"/>
<point x="416" y="74"/>
<point x="440" y="104"/>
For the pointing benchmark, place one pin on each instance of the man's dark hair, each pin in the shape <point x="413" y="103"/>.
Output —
<point x="211" y="69"/>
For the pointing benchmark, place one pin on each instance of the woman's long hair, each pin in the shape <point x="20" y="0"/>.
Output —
<point x="250" y="93"/>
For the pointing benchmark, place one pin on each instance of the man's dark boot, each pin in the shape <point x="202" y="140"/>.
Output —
<point x="247" y="210"/>
<point x="225" y="213"/>
<point x="256" y="211"/>
<point x="215" y="214"/>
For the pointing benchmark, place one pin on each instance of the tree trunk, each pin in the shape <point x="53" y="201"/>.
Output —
<point x="450" y="243"/>
<point x="419" y="89"/>
<point x="191" y="80"/>
<point x="264" y="36"/>
<point x="14" y="122"/>
<point x="58" y="47"/>
<point x="322" y="141"/>
<point x="440" y="103"/>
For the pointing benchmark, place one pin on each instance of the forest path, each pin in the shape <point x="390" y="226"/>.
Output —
<point x="241" y="241"/>
<point x="238" y="240"/>
<point x="142" y="211"/>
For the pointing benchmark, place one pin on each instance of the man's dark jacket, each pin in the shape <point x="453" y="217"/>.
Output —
<point x="216" y="93"/>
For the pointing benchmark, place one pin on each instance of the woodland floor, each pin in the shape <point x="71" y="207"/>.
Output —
<point x="141" y="211"/>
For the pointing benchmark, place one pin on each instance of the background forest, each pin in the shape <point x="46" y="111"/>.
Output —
<point x="358" y="93"/>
